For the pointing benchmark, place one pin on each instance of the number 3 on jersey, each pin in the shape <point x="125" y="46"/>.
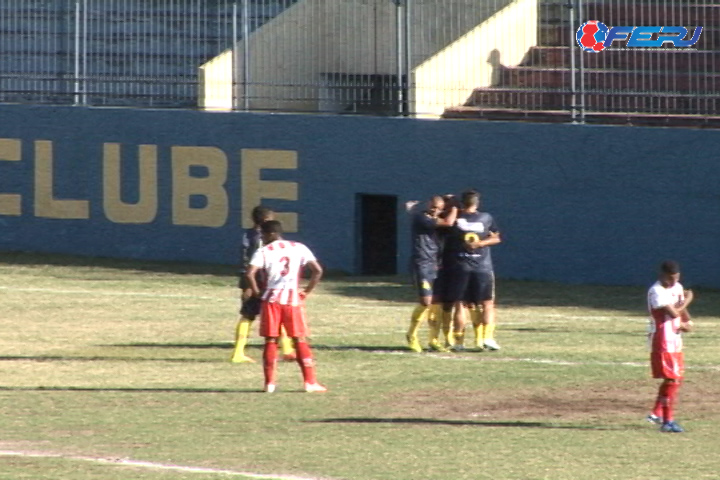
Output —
<point x="286" y="266"/>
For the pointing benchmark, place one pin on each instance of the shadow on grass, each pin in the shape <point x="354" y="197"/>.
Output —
<point x="398" y="289"/>
<point x="129" y="389"/>
<point x="100" y="358"/>
<point x="531" y="294"/>
<point x="41" y="259"/>
<point x="258" y="346"/>
<point x="474" y="423"/>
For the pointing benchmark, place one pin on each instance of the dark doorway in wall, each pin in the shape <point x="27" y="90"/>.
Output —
<point x="377" y="234"/>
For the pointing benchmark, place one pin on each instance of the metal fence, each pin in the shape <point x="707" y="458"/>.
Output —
<point x="457" y="58"/>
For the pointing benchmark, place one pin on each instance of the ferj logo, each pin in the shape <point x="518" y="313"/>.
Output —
<point x="595" y="36"/>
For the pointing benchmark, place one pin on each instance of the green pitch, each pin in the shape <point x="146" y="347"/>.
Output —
<point x="119" y="370"/>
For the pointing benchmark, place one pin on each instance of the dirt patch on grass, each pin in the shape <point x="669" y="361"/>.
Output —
<point x="587" y="403"/>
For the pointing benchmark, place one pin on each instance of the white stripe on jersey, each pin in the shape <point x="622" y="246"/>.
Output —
<point x="282" y="261"/>
<point x="464" y="225"/>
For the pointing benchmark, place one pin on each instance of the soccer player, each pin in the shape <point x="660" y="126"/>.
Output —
<point x="282" y="262"/>
<point x="424" y="266"/>
<point x="250" y="307"/>
<point x="667" y="303"/>
<point x="471" y="279"/>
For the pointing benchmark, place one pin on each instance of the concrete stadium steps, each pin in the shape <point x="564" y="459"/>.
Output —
<point x="562" y="99"/>
<point x="702" y="61"/>
<point x="612" y="80"/>
<point x="601" y="118"/>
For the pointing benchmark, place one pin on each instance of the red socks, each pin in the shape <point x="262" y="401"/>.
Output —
<point x="305" y="360"/>
<point x="667" y="395"/>
<point x="269" y="361"/>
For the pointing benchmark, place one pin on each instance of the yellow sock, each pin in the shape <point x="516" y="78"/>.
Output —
<point x="459" y="339"/>
<point x="476" y="316"/>
<point x="286" y="345"/>
<point x="435" y="323"/>
<point x="420" y="313"/>
<point x="489" y="331"/>
<point x="241" y="337"/>
<point x="447" y="327"/>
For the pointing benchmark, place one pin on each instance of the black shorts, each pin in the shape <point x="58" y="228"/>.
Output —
<point x="469" y="286"/>
<point x="250" y="308"/>
<point x="440" y="286"/>
<point x="424" y="275"/>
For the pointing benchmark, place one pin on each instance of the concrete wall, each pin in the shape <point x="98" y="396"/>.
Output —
<point x="451" y="43"/>
<point x="449" y="77"/>
<point x="584" y="204"/>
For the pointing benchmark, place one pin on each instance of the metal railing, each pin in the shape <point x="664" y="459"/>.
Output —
<point x="458" y="58"/>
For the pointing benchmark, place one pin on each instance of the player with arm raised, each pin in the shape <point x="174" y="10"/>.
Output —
<point x="250" y="306"/>
<point x="283" y="261"/>
<point x="424" y="266"/>
<point x="667" y="303"/>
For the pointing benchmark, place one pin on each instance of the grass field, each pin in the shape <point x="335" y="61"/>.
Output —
<point x="117" y="370"/>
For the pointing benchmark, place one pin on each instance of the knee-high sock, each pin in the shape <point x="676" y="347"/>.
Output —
<point x="488" y="331"/>
<point x="270" y="361"/>
<point x="241" y="337"/>
<point x="306" y="362"/>
<point x="286" y="345"/>
<point x="660" y="400"/>
<point x="419" y="315"/>
<point x="476" y="316"/>
<point x="435" y="322"/>
<point x="447" y="326"/>
<point x="669" y="406"/>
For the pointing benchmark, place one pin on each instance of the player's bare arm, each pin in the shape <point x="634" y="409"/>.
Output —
<point x="449" y="220"/>
<point x="678" y="309"/>
<point x="250" y="277"/>
<point x="316" y="273"/>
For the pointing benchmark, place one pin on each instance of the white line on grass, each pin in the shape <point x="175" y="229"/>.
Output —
<point x="151" y="465"/>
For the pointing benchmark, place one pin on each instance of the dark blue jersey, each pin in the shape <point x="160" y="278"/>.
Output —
<point x="469" y="227"/>
<point x="251" y="242"/>
<point x="425" y="240"/>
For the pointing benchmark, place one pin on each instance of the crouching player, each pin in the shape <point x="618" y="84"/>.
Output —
<point x="282" y="262"/>
<point x="667" y="303"/>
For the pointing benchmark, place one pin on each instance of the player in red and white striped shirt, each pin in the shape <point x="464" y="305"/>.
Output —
<point x="667" y="303"/>
<point x="282" y="300"/>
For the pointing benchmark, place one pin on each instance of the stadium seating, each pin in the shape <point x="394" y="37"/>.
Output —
<point x="642" y="87"/>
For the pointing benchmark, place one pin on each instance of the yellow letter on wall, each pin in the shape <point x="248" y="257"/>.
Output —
<point x="10" y="150"/>
<point x="215" y="213"/>
<point x="145" y="210"/>
<point x="254" y="189"/>
<point x="45" y="203"/>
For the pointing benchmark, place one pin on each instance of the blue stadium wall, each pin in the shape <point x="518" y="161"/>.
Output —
<point x="576" y="204"/>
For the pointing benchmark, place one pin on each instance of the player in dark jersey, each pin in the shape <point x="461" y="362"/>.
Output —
<point x="470" y="270"/>
<point x="439" y="287"/>
<point x="250" y="306"/>
<point x="424" y="267"/>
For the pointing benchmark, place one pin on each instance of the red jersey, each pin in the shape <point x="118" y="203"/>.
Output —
<point x="664" y="330"/>
<point x="282" y="261"/>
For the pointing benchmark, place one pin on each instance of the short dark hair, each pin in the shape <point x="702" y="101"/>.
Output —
<point x="260" y="214"/>
<point x="670" y="267"/>
<point x="271" y="226"/>
<point x="470" y="198"/>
